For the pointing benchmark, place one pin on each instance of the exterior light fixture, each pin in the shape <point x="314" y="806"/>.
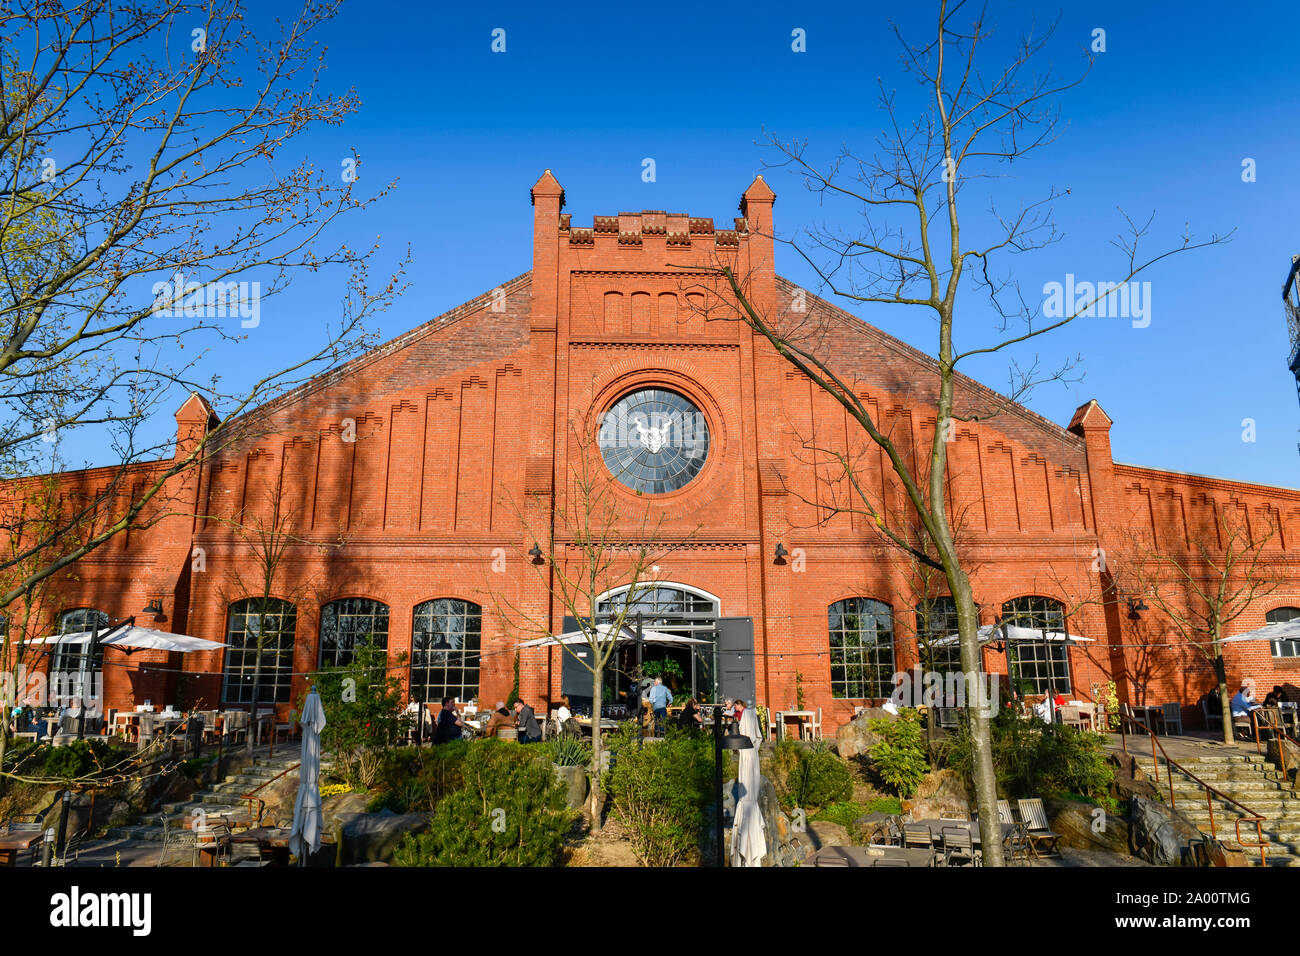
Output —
<point x="155" y="608"/>
<point x="781" y="553"/>
<point x="1136" y="606"/>
<point x="535" y="553"/>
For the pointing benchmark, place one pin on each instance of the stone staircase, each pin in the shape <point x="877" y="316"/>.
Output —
<point x="1251" y="780"/>
<point x="220" y="803"/>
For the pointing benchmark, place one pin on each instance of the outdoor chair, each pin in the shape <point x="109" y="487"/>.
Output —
<point x="1172" y="718"/>
<point x="181" y="839"/>
<point x="289" y="728"/>
<point x="1016" y="844"/>
<point x="1041" y="835"/>
<point x="813" y="726"/>
<point x="218" y="843"/>
<point x="1243" y="724"/>
<point x="1004" y="812"/>
<point x="71" y="850"/>
<point x="917" y="836"/>
<point x="1072" y="717"/>
<point x="957" y="846"/>
<point x="1212" y="720"/>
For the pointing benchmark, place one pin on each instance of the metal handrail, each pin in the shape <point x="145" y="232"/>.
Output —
<point x="1256" y="818"/>
<point x="261" y="804"/>
<point x="1281" y="751"/>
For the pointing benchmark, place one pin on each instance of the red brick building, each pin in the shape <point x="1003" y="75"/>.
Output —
<point x="408" y="476"/>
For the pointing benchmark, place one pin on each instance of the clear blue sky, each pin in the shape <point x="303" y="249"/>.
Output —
<point x="1183" y="94"/>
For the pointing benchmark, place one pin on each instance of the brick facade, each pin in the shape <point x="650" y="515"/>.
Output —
<point x="464" y="437"/>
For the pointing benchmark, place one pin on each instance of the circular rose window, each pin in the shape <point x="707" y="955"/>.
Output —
<point x="654" y="440"/>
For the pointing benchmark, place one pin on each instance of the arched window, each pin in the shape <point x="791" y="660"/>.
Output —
<point x="936" y="630"/>
<point x="350" y="622"/>
<point x="76" y="660"/>
<point x="1038" y="665"/>
<point x="445" y="643"/>
<point x="260" y="633"/>
<point x="861" y="648"/>
<point x="1280" y="615"/>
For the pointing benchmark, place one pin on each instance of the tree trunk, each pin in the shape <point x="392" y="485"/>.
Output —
<point x="986" y="785"/>
<point x="1225" y="702"/>
<point x="596" y="803"/>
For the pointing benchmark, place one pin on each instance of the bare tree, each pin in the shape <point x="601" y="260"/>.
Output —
<point x="1202" y="588"/>
<point x="910" y="251"/>
<point x="265" y="575"/>
<point x="150" y="208"/>
<point x="595" y="542"/>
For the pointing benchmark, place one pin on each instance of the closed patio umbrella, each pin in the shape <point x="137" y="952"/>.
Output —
<point x="304" y="838"/>
<point x="748" y="843"/>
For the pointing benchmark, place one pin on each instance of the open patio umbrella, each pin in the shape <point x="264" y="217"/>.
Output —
<point x="1288" y="631"/>
<point x="304" y="838"/>
<point x="748" y="843"/>
<point x="135" y="638"/>
<point x="1014" y="633"/>
<point x="608" y="632"/>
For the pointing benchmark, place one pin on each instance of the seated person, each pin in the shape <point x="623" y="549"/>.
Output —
<point x="689" y="718"/>
<point x="562" y="713"/>
<point x="1243" y="702"/>
<point x="501" y="717"/>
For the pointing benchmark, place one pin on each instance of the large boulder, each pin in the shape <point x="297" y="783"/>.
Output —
<point x="856" y="738"/>
<point x="375" y="837"/>
<point x="824" y="833"/>
<point x="940" y="791"/>
<point x="1292" y="754"/>
<point x="1165" y="837"/>
<point x="1131" y="780"/>
<point x="1081" y="826"/>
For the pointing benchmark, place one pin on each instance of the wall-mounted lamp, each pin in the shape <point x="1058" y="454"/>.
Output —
<point x="536" y="554"/>
<point x="155" y="608"/>
<point x="1136" y="606"/>
<point x="781" y="554"/>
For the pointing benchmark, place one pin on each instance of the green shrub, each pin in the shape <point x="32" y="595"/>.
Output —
<point x="510" y="812"/>
<point x="899" y="758"/>
<point x="414" y="779"/>
<point x="364" y="713"/>
<point x="79" y="759"/>
<point x="567" y="751"/>
<point x="808" y="777"/>
<point x="1033" y="759"/>
<point x="659" y="794"/>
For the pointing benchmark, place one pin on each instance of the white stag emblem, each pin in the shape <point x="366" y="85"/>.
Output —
<point x="653" y="439"/>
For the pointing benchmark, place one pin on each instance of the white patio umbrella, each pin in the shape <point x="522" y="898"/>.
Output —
<point x="748" y="843"/>
<point x="607" y="632"/>
<point x="304" y="838"/>
<point x="1014" y="633"/>
<point x="1287" y="631"/>
<point x="136" y="638"/>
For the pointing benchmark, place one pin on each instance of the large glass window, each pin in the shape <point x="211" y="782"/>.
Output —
<point x="75" y="664"/>
<point x="350" y="622"/>
<point x="654" y="440"/>
<point x="1280" y="615"/>
<point x="445" y="645"/>
<point x="1038" y="666"/>
<point x="862" y="648"/>
<point x="260" y="633"/>
<point x="936" y="631"/>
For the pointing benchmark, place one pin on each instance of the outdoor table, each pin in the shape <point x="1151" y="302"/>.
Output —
<point x="272" y="839"/>
<point x="605" y="724"/>
<point x="798" y="715"/>
<point x="936" y="827"/>
<point x="867" y="855"/>
<point x="12" y="845"/>
<point x="1150" y="715"/>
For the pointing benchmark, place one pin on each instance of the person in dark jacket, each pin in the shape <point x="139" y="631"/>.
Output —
<point x="526" y="721"/>
<point x="449" y="722"/>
